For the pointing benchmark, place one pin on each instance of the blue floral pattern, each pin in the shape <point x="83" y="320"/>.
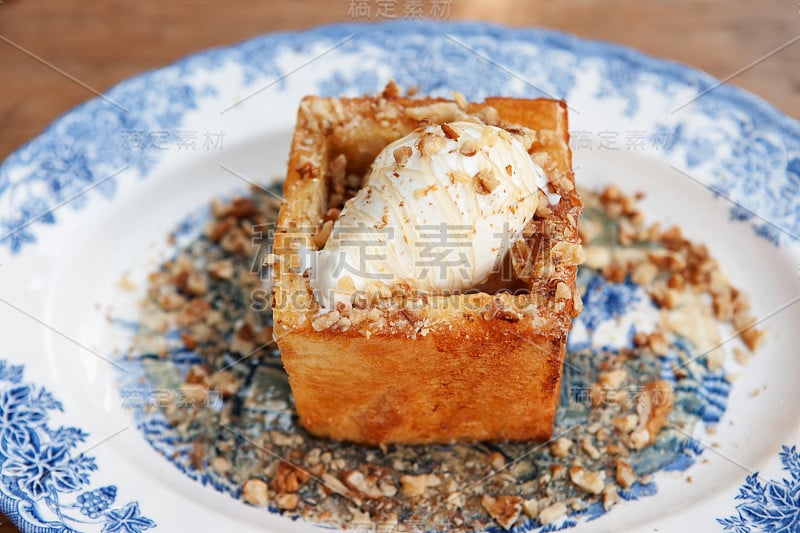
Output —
<point x="42" y="471"/>
<point x="735" y="141"/>
<point x="772" y="506"/>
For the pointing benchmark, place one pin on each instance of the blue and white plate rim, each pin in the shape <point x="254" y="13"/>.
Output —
<point x="758" y="497"/>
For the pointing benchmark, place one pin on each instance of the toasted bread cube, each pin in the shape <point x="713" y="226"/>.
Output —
<point x="485" y="365"/>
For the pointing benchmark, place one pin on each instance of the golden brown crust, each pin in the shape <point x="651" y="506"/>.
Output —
<point x="487" y="381"/>
<point x="431" y="368"/>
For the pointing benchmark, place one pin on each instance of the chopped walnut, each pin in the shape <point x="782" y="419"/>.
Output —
<point x="449" y="131"/>
<point x="193" y="312"/>
<point x="235" y="241"/>
<point x="596" y="257"/>
<point x="567" y="253"/>
<point x="359" y="484"/>
<point x="470" y="147"/>
<point x="255" y="492"/>
<point x="489" y="136"/>
<point x="625" y="424"/>
<point x="563" y="291"/>
<point x="561" y="447"/>
<point x="610" y="496"/>
<point x="221" y="269"/>
<point x="497" y="460"/>
<point x="402" y="154"/>
<point x="389" y="490"/>
<point x="325" y="321"/>
<point x="552" y="513"/>
<point x="657" y="343"/>
<point x="431" y="144"/>
<point x="198" y="375"/>
<point x="333" y="484"/>
<point x="224" y="383"/>
<point x="644" y="273"/>
<point x="308" y="171"/>
<point x="422" y="191"/>
<point x="438" y="112"/>
<point x="240" y="208"/>
<point x="588" y="446"/>
<point x="416" y="485"/>
<point x="531" y="507"/>
<point x="753" y="338"/>
<point x="640" y="438"/>
<point x="653" y="406"/>
<point x="625" y="475"/>
<point x="485" y="181"/>
<point x="391" y="90"/>
<point x="591" y="482"/>
<point x="287" y="501"/>
<point x="459" y="99"/>
<point x="288" y="478"/>
<point x="612" y="379"/>
<point x="504" y="509"/>
<point x="189" y="342"/>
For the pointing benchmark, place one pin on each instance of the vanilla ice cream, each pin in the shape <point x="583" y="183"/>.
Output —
<point x="439" y="208"/>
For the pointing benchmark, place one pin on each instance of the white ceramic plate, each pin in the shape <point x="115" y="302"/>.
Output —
<point x="93" y="197"/>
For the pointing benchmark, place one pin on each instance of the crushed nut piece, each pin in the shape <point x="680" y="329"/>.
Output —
<point x="561" y="447"/>
<point x="449" y="131"/>
<point x="356" y="482"/>
<point x="504" y="509"/>
<point x="497" y="460"/>
<point x="610" y="496"/>
<point x="552" y="513"/>
<point x="657" y="343"/>
<point x="625" y="475"/>
<point x="287" y="501"/>
<point x="567" y="253"/>
<point x="588" y="446"/>
<point x="644" y="273"/>
<point x="653" y="406"/>
<point x="625" y="424"/>
<point x="563" y="292"/>
<point x="531" y="507"/>
<point x="324" y="321"/>
<point x="470" y="147"/>
<point x="288" y="478"/>
<point x="322" y="234"/>
<point x="255" y="492"/>
<point x="333" y="484"/>
<point x="753" y="338"/>
<point x="489" y="136"/>
<point x="430" y="144"/>
<point x="416" y="485"/>
<point x="460" y="100"/>
<point x="402" y="154"/>
<point x="485" y="181"/>
<point x="591" y="482"/>
<point x="221" y="269"/>
<point x="612" y="379"/>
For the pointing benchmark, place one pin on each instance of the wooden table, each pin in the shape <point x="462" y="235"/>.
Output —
<point x="52" y="51"/>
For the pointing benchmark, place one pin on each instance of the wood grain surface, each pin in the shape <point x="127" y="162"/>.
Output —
<point x="53" y="54"/>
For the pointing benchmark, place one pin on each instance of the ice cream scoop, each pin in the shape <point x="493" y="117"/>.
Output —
<point x="439" y="209"/>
